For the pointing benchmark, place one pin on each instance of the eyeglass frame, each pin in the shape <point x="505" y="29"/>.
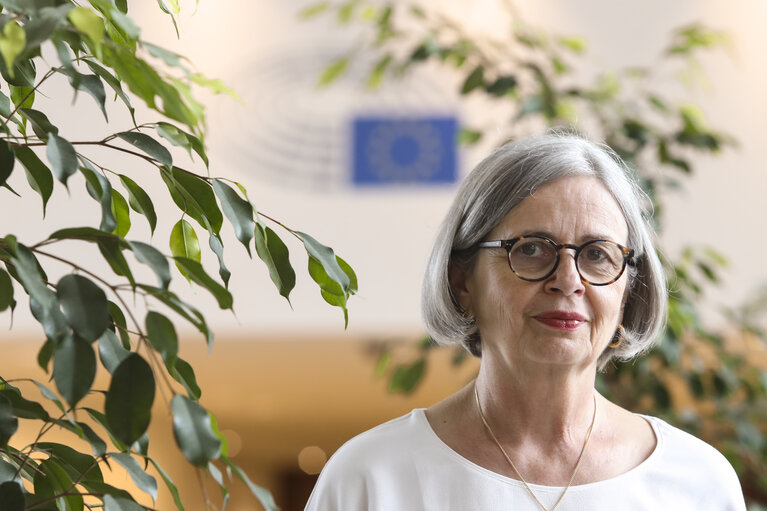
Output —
<point x="628" y="254"/>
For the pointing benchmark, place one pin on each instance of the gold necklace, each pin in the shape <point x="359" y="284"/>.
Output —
<point x="530" y="490"/>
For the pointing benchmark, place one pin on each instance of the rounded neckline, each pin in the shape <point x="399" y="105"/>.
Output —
<point x="654" y="422"/>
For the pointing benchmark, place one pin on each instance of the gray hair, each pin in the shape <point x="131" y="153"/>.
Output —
<point x="498" y="184"/>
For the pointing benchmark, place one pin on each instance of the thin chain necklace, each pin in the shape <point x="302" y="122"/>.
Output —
<point x="530" y="490"/>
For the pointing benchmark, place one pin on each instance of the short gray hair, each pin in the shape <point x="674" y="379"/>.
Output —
<point x="498" y="184"/>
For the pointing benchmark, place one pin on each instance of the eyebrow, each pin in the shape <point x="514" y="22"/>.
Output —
<point x="583" y="239"/>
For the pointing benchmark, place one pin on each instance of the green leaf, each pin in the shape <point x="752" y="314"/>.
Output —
<point x="274" y="253"/>
<point x="405" y="378"/>
<point x="334" y="71"/>
<point x="6" y="290"/>
<point x="140" y="201"/>
<point x="184" y="309"/>
<point x="51" y="480"/>
<point x="162" y="336"/>
<point x="153" y="258"/>
<point x="194" y="196"/>
<point x="169" y="484"/>
<point x="149" y="145"/>
<point x="7" y="160"/>
<point x="377" y="74"/>
<point x="120" y="504"/>
<point x="330" y="290"/>
<point x="313" y="10"/>
<point x="183" y="139"/>
<point x="325" y="256"/>
<point x="237" y="210"/>
<point x="120" y="325"/>
<point x="23" y="408"/>
<point x="468" y="136"/>
<point x="144" y="481"/>
<point x="184" y="243"/>
<point x="40" y="123"/>
<point x="196" y="273"/>
<point x="113" y="82"/>
<point x="38" y="174"/>
<point x="111" y="250"/>
<point x="45" y="354"/>
<point x="111" y="351"/>
<point x="43" y="301"/>
<point x="121" y="214"/>
<point x="502" y="86"/>
<point x="85" y="306"/>
<point x="88" y="22"/>
<point x="100" y="189"/>
<point x="262" y="494"/>
<point x="75" y="463"/>
<point x="183" y="373"/>
<point x="93" y="85"/>
<point x="129" y="400"/>
<point x="193" y="432"/>
<point x="62" y="156"/>
<point x="214" y="242"/>
<point x="8" y="422"/>
<point x="474" y="80"/>
<point x="12" y="43"/>
<point x="74" y="368"/>
<point x="12" y="496"/>
<point x="214" y="85"/>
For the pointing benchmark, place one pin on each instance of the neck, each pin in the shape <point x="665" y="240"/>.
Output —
<point x="542" y="405"/>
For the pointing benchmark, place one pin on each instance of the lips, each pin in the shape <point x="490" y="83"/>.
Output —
<point x="561" y="320"/>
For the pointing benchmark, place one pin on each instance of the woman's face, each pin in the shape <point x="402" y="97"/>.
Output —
<point x="532" y="322"/>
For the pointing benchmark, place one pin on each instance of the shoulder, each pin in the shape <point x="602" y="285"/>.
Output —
<point x="370" y="463"/>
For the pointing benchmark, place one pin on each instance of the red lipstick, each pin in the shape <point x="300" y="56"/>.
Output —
<point x="561" y="320"/>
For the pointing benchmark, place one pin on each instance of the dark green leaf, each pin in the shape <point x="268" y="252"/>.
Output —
<point x="74" y="368"/>
<point x="6" y="290"/>
<point x="38" y="174"/>
<point x="52" y="480"/>
<point x="162" y="336"/>
<point x="62" y="156"/>
<point x="93" y="85"/>
<point x="214" y="242"/>
<point x="183" y="373"/>
<point x="23" y="408"/>
<point x="113" y="82"/>
<point x="111" y="351"/>
<point x="194" y="196"/>
<point x="120" y="504"/>
<point x="274" y="254"/>
<point x="43" y="301"/>
<point x="45" y="354"/>
<point x="149" y="145"/>
<point x="237" y="210"/>
<point x="120" y="325"/>
<point x="153" y="258"/>
<point x="121" y="214"/>
<point x="8" y="421"/>
<point x="7" y="160"/>
<point x="182" y="308"/>
<point x="40" y="123"/>
<point x="140" y="201"/>
<point x="129" y="400"/>
<point x="12" y="496"/>
<point x="84" y="305"/>
<point x="327" y="258"/>
<point x="97" y="444"/>
<point x="100" y="189"/>
<point x="474" y="80"/>
<point x="111" y="250"/>
<point x="502" y="86"/>
<point x="169" y="484"/>
<point x="75" y="463"/>
<point x="193" y="432"/>
<point x="144" y="481"/>
<point x="405" y="378"/>
<point x="196" y="273"/>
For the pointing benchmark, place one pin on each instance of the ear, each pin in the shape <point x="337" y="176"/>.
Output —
<point x="457" y="275"/>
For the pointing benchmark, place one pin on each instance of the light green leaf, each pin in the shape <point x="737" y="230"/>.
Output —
<point x="312" y="10"/>
<point x="214" y="85"/>
<point x="274" y="253"/>
<point x="12" y="42"/>
<point x="144" y="481"/>
<point x="140" y="201"/>
<point x="334" y="71"/>
<point x="194" y="434"/>
<point x="153" y="258"/>
<point x="184" y="241"/>
<point x="62" y="156"/>
<point x="129" y="400"/>
<point x="194" y="271"/>
<point x="262" y="494"/>
<point x="237" y="210"/>
<point x="74" y="368"/>
<point x="169" y="484"/>
<point x="88" y="22"/>
<point x="38" y="174"/>
<point x="162" y="336"/>
<point x="325" y="256"/>
<point x="6" y="290"/>
<point x="121" y="213"/>
<point x="149" y="145"/>
<point x="8" y="422"/>
<point x="84" y="305"/>
<point x="111" y="351"/>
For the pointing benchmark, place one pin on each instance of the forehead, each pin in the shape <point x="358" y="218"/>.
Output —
<point x="570" y="210"/>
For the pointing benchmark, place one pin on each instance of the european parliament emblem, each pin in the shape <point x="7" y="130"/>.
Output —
<point x="404" y="150"/>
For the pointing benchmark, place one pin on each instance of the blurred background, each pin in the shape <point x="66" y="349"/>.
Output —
<point x="371" y="171"/>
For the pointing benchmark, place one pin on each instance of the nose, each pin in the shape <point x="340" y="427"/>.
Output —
<point x="566" y="278"/>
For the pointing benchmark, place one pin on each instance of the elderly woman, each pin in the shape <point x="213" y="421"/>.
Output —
<point x="545" y="269"/>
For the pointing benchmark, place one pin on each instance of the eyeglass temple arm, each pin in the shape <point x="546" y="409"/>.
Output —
<point x="491" y="244"/>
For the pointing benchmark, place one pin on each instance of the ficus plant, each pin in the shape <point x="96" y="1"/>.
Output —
<point x="115" y="320"/>
<point x="696" y="378"/>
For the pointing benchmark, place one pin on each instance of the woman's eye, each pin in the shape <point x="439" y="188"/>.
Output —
<point x="595" y="254"/>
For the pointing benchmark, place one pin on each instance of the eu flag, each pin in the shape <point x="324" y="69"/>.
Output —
<point x="392" y="150"/>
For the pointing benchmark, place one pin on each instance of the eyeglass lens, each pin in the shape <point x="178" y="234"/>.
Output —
<point x="597" y="262"/>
